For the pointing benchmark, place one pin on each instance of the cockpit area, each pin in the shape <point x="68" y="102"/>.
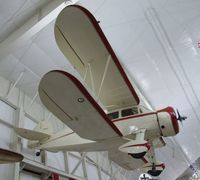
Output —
<point x="130" y="111"/>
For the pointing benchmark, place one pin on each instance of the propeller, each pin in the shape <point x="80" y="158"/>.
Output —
<point x="181" y="118"/>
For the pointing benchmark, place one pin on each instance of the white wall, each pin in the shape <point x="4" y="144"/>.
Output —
<point x="7" y="115"/>
<point x="29" y="176"/>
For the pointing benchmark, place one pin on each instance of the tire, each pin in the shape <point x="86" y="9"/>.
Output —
<point x="154" y="172"/>
<point x="138" y="155"/>
<point x="37" y="153"/>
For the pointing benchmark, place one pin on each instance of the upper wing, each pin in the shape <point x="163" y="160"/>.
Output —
<point x="68" y="99"/>
<point x="82" y="41"/>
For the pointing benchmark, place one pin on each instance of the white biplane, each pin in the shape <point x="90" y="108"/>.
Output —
<point x="103" y="110"/>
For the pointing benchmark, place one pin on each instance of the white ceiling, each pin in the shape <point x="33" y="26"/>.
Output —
<point x="155" y="40"/>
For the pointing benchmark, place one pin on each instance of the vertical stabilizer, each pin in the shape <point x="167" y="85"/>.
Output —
<point x="44" y="127"/>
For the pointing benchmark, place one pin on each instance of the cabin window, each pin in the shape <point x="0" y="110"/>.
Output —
<point x="130" y="111"/>
<point x="113" y="115"/>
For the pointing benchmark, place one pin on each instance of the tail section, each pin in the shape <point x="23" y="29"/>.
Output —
<point x="44" y="127"/>
<point x="41" y="132"/>
<point x="31" y="134"/>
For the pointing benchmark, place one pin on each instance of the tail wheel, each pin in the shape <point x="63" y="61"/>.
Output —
<point x="37" y="153"/>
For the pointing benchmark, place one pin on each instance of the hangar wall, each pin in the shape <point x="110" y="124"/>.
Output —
<point x="17" y="109"/>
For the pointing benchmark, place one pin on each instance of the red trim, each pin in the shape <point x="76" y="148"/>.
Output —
<point x="162" y="140"/>
<point x="89" y="98"/>
<point x="159" y="165"/>
<point x="147" y="145"/>
<point x="55" y="176"/>
<point x="134" y="116"/>
<point x="169" y="110"/>
<point x="144" y="160"/>
<point x="172" y="114"/>
<point x="110" y="50"/>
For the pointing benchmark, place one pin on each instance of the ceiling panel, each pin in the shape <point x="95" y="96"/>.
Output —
<point x="15" y="13"/>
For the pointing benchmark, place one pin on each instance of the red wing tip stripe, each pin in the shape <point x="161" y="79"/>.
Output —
<point x="89" y="98"/>
<point x="110" y="50"/>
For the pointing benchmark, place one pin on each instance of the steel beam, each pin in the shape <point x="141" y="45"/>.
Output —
<point x="15" y="83"/>
<point x="78" y="164"/>
<point x="66" y="161"/>
<point x="98" y="167"/>
<point x="32" y="101"/>
<point x="45" y="169"/>
<point x="104" y="75"/>
<point x="35" y="24"/>
<point x="84" y="165"/>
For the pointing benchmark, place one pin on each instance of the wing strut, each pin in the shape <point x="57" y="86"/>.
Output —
<point x="104" y="75"/>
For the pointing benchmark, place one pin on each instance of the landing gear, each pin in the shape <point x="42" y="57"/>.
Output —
<point x="138" y="147"/>
<point x="153" y="171"/>
<point x="37" y="153"/>
<point x="138" y="155"/>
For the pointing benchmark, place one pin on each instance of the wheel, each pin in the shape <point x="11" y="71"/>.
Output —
<point x="138" y="155"/>
<point x="37" y="153"/>
<point x="154" y="172"/>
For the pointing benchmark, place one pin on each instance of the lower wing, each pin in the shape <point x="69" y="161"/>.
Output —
<point x="69" y="100"/>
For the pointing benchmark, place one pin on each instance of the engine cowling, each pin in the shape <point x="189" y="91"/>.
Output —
<point x="168" y="122"/>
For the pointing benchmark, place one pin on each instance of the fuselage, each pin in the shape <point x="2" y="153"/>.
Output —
<point x="156" y="124"/>
<point x="159" y="123"/>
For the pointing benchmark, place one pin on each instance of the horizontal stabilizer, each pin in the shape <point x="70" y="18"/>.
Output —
<point x="31" y="134"/>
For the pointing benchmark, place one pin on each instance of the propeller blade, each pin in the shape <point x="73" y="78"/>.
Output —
<point x="180" y="118"/>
